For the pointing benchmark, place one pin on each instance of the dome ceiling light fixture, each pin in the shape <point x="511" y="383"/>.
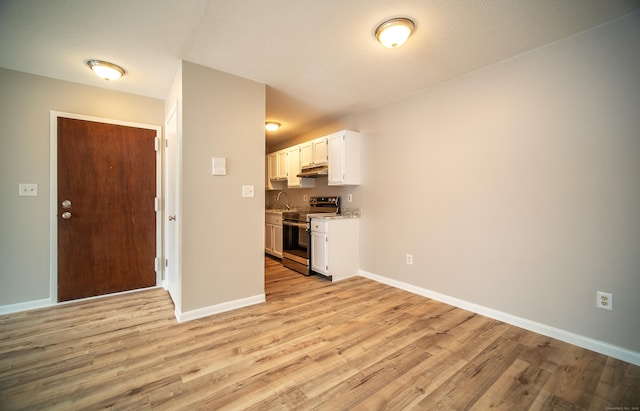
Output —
<point x="105" y="70"/>
<point x="272" y="126"/>
<point x="394" y="32"/>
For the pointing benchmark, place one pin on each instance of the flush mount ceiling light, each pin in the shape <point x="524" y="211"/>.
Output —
<point x="393" y="33"/>
<point x="271" y="126"/>
<point x="105" y="70"/>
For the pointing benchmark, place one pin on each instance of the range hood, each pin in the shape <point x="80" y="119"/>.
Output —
<point x="314" y="171"/>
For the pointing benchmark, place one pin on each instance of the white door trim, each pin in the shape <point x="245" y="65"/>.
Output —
<point x="172" y="236"/>
<point x="53" y="193"/>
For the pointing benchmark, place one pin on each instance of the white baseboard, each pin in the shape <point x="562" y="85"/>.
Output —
<point x="219" y="308"/>
<point x="29" y="305"/>
<point x="598" y="346"/>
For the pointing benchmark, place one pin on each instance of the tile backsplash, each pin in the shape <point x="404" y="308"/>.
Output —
<point x="299" y="197"/>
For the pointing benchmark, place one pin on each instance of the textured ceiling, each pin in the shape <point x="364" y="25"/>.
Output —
<point x="318" y="58"/>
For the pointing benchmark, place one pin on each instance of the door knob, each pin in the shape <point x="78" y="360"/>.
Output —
<point x="66" y="204"/>
<point x="66" y="215"/>
<point x="172" y="218"/>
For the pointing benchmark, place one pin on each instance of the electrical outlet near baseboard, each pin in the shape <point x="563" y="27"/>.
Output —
<point x="604" y="300"/>
<point x="409" y="259"/>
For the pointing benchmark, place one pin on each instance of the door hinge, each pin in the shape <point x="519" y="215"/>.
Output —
<point x="155" y="264"/>
<point x="166" y="143"/>
<point x="166" y="262"/>
<point x="156" y="143"/>
<point x="156" y="204"/>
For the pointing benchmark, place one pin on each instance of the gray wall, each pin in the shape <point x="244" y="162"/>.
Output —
<point x="516" y="187"/>
<point x="222" y="232"/>
<point x="25" y="102"/>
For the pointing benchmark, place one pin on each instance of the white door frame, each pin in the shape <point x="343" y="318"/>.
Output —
<point x="53" y="193"/>
<point x="172" y="207"/>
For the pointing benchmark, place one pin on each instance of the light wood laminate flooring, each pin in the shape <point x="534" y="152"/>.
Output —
<point x="355" y="344"/>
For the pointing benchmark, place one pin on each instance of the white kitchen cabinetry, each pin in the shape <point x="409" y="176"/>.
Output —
<point x="272" y="182"/>
<point x="306" y="154"/>
<point x="272" y="166"/>
<point x="273" y="234"/>
<point x="276" y="170"/>
<point x="335" y="247"/>
<point x="319" y="246"/>
<point x="277" y="165"/>
<point x="282" y="165"/>
<point x="344" y="158"/>
<point x="320" y="151"/>
<point x="314" y="152"/>
<point x="293" y="169"/>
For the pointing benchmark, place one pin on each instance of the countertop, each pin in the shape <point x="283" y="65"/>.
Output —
<point x="332" y="216"/>
<point x="282" y="210"/>
<point x="274" y="211"/>
<point x="346" y="213"/>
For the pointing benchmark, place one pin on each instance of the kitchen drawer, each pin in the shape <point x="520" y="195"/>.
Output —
<point x="273" y="218"/>
<point x="319" y="226"/>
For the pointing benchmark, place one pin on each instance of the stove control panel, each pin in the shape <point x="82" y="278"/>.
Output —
<point x="324" y="201"/>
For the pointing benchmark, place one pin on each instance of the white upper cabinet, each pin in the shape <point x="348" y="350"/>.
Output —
<point x="277" y="165"/>
<point x="344" y="158"/>
<point x="294" y="168"/>
<point x="276" y="170"/>
<point x="340" y="151"/>
<point x="313" y="153"/>
<point x="267" y="173"/>
<point x="306" y="154"/>
<point x="320" y="151"/>
<point x="272" y="166"/>
<point x="282" y="165"/>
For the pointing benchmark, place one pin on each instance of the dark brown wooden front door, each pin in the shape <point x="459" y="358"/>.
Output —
<point x="107" y="238"/>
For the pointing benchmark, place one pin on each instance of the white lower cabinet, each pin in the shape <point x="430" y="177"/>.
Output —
<point x="319" y="253"/>
<point x="273" y="234"/>
<point x="335" y="247"/>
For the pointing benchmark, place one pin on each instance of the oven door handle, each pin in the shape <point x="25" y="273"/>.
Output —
<point x="295" y="224"/>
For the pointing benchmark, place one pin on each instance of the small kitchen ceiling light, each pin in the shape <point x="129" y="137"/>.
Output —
<point x="105" y="70"/>
<point x="271" y="126"/>
<point x="393" y="33"/>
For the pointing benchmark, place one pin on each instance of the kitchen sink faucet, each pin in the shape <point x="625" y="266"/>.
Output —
<point x="286" y="203"/>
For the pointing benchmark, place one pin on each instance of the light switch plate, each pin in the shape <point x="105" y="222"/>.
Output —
<point x="27" y="190"/>
<point x="248" y="191"/>
<point x="218" y="166"/>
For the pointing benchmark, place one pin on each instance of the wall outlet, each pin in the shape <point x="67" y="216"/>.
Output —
<point x="409" y="259"/>
<point x="27" y="190"/>
<point x="604" y="300"/>
<point x="248" y="191"/>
